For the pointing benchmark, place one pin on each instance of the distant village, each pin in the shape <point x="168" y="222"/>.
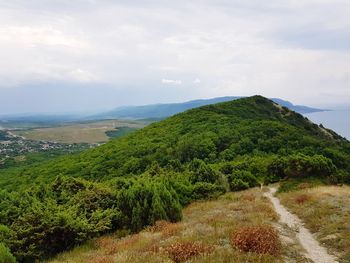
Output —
<point x="12" y="146"/>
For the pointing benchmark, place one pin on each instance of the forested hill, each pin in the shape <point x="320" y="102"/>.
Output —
<point x="152" y="173"/>
<point x="212" y="133"/>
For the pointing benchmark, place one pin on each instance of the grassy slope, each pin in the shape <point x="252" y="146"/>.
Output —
<point x="210" y="223"/>
<point x="325" y="210"/>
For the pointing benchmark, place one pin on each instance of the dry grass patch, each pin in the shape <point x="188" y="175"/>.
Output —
<point x="180" y="252"/>
<point x="166" y="228"/>
<point x="101" y="259"/>
<point x="325" y="210"/>
<point x="261" y="239"/>
<point x="111" y="245"/>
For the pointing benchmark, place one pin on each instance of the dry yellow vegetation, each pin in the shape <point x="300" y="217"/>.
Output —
<point x="204" y="235"/>
<point x="90" y="132"/>
<point x="325" y="210"/>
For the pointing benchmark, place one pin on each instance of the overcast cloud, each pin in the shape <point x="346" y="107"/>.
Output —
<point x="65" y="55"/>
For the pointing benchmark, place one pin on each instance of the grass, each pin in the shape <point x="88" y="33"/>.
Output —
<point x="88" y="132"/>
<point x="204" y="235"/>
<point x="325" y="210"/>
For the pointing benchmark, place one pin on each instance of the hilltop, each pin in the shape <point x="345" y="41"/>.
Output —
<point x="152" y="173"/>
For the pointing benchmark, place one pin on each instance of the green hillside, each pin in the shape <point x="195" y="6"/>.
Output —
<point x="152" y="173"/>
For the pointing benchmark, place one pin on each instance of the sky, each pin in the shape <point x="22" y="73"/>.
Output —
<point x="92" y="55"/>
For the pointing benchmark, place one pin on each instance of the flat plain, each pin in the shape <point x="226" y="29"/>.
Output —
<point x="83" y="132"/>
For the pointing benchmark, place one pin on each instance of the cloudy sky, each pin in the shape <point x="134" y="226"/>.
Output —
<point x="79" y="55"/>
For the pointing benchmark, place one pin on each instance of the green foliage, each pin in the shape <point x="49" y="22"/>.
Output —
<point x="203" y="190"/>
<point x="241" y="180"/>
<point x="202" y="172"/>
<point x="300" y="165"/>
<point x="5" y="255"/>
<point x="150" y="174"/>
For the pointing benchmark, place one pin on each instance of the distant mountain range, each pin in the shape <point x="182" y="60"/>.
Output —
<point x="160" y="111"/>
<point x="153" y="112"/>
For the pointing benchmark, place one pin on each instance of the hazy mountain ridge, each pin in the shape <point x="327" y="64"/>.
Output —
<point x="151" y="111"/>
<point x="160" y="111"/>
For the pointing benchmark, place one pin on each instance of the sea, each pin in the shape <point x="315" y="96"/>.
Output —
<point x="336" y="120"/>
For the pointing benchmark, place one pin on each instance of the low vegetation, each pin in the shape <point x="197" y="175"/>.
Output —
<point x="262" y="239"/>
<point x="204" y="235"/>
<point x="325" y="210"/>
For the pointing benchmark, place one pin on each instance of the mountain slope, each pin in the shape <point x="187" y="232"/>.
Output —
<point x="159" y="111"/>
<point x="150" y="174"/>
<point x="208" y="132"/>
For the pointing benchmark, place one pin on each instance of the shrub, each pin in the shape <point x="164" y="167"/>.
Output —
<point x="301" y="165"/>
<point x="238" y="185"/>
<point x="301" y="199"/>
<point x="180" y="252"/>
<point x="241" y="180"/>
<point x="207" y="190"/>
<point x="5" y="255"/>
<point x="261" y="239"/>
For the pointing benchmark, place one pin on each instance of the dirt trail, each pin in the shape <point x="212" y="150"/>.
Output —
<point x="314" y="250"/>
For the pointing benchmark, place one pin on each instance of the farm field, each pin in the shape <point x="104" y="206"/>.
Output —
<point x="85" y="132"/>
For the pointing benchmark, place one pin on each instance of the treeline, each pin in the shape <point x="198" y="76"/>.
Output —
<point x="153" y="173"/>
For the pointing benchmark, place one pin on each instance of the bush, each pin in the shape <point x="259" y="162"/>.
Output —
<point x="238" y="185"/>
<point x="202" y="172"/>
<point x="207" y="190"/>
<point x="261" y="239"/>
<point x="241" y="180"/>
<point x="5" y="255"/>
<point x="300" y="165"/>
<point x="180" y="252"/>
<point x="301" y="199"/>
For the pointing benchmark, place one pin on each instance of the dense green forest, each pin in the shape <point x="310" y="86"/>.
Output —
<point x="152" y="173"/>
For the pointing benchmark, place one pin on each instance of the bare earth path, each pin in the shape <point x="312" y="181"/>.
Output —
<point x="314" y="250"/>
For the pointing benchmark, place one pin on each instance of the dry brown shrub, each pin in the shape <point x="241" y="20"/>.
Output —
<point x="180" y="252"/>
<point x="248" y="197"/>
<point x="101" y="259"/>
<point x="167" y="228"/>
<point x="261" y="239"/>
<point x="159" y="225"/>
<point x="301" y="199"/>
<point x="104" y="241"/>
<point x="112" y="245"/>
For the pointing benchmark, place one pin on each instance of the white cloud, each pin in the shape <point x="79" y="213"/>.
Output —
<point x="297" y="50"/>
<point x="172" y="81"/>
<point x="197" y="81"/>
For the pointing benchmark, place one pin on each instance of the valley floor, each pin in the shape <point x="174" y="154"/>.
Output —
<point x="204" y="235"/>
